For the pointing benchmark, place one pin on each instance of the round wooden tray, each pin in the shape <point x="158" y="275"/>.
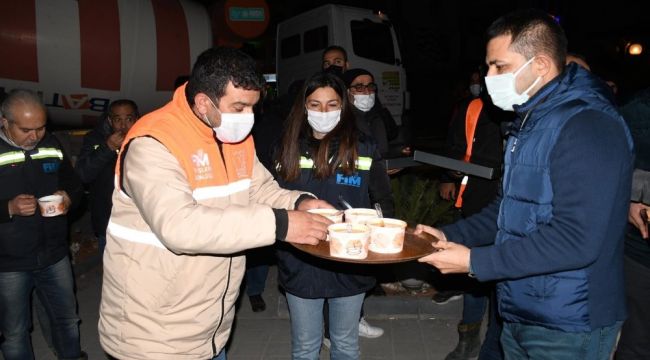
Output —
<point x="415" y="247"/>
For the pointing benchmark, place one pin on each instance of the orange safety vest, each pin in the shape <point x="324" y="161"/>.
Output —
<point x="471" y="119"/>
<point x="208" y="169"/>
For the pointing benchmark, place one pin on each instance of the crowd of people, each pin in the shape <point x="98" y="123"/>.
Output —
<point x="555" y="248"/>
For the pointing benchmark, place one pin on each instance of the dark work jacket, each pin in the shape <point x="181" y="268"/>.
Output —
<point x="310" y="277"/>
<point x="558" y="227"/>
<point x="379" y="124"/>
<point x="34" y="242"/>
<point x="96" y="167"/>
<point x="487" y="150"/>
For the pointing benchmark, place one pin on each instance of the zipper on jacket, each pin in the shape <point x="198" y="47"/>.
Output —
<point x="223" y="305"/>
<point x="523" y="122"/>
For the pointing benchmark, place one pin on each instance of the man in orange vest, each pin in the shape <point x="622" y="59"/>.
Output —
<point x="474" y="136"/>
<point x="190" y="197"/>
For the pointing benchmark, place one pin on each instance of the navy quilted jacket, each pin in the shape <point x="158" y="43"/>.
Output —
<point x="557" y="230"/>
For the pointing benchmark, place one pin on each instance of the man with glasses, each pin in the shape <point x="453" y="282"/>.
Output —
<point x="96" y="163"/>
<point x="372" y="118"/>
<point x="34" y="247"/>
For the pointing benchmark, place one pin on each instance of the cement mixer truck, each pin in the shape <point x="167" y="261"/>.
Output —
<point x="79" y="55"/>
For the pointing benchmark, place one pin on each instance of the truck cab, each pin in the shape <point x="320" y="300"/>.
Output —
<point x="368" y="37"/>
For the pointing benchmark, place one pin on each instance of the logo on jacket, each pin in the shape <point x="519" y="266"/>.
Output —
<point x="50" y="168"/>
<point x="241" y="168"/>
<point x="202" y="168"/>
<point x="352" y="180"/>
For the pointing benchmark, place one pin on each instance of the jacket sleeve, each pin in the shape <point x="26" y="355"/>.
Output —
<point x="590" y="172"/>
<point x="456" y="143"/>
<point x="477" y="230"/>
<point x="379" y="186"/>
<point x="265" y="190"/>
<point x="641" y="186"/>
<point x="70" y="182"/>
<point x="392" y="130"/>
<point x="4" y="210"/>
<point x="159" y="188"/>
<point x="93" y="157"/>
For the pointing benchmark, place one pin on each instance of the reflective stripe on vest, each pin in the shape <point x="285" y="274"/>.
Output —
<point x="363" y="163"/>
<point x="211" y="192"/>
<point x="136" y="236"/>
<point x="12" y="157"/>
<point x="149" y="238"/>
<point x="44" y="153"/>
<point x="471" y="119"/>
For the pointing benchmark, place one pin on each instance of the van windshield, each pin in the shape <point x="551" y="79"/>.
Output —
<point x="372" y="40"/>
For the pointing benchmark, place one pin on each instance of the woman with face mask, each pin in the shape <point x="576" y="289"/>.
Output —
<point x="322" y="152"/>
<point x="372" y="118"/>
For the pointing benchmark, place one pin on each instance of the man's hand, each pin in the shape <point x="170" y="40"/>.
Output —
<point x="635" y="217"/>
<point x="447" y="191"/>
<point x="393" y="171"/>
<point x="114" y="141"/>
<point x="314" y="204"/>
<point x="22" y="205"/>
<point x="450" y="258"/>
<point x="66" y="201"/>
<point x="307" y="228"/>
<point x="430" y="230"/>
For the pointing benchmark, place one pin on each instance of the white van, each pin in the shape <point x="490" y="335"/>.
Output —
<point x="368" y="38"/>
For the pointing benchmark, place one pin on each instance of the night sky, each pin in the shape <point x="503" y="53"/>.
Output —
<point x="442" y="40"/>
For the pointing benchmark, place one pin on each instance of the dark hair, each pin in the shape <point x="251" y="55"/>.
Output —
<point x="297" y="128"/>
<point x="124" y="102"/>
<point x="337" y="48"/>
<point x="215" y="67"/>
<point x="19" y="96"/>
<point x="533" y="32"/>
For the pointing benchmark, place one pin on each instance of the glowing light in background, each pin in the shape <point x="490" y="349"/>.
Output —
<point x="634" y="49"/>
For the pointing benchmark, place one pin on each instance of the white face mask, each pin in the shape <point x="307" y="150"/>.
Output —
<point x="364" y="102"/>
<point x="502" y="89"/>
<point x="234" y="126"/>
<point x="323" y="122"/>
<point x="475" y="90"/>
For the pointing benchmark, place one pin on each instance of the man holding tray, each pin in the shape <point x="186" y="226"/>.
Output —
<point x="554" y="239"/>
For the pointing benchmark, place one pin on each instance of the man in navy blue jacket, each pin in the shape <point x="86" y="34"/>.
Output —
<point x="554" y="238"/>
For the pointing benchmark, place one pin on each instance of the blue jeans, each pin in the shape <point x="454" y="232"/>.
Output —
<point x="307" y="326"/>
<point x="55" y="290"/>
<point x="221" y="355"/>
<point x="521" y="341"/>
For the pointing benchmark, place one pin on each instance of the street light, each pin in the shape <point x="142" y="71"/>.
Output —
<point x="634" y="49"/>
